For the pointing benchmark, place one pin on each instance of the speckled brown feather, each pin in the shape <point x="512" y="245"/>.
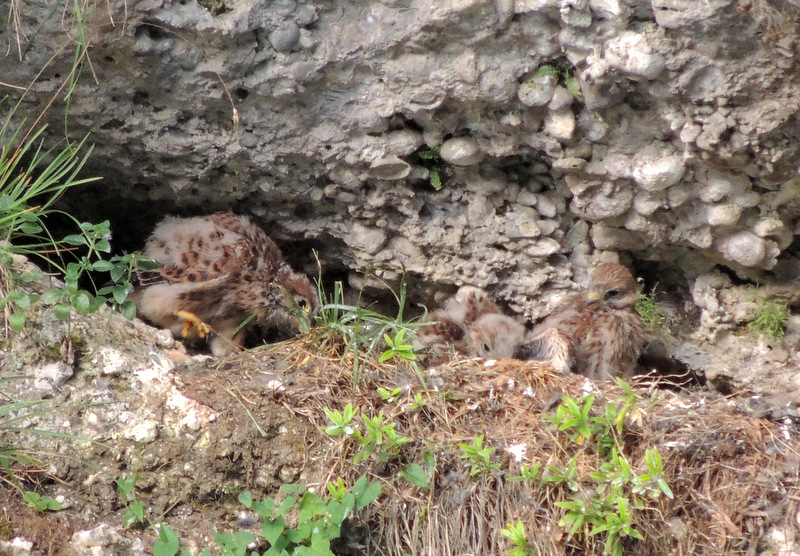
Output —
<point x="453" y="320"/>
<point x="598" y="334"/>
<point x="221" y="268"/>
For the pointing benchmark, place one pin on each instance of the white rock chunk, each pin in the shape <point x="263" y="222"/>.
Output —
<point x="631" y="54"/>
<point x="560" y="124"/>
<point x="656" y="174"/>
<point x="389" y="168"/>
<point x="744" y="247"/>
<point x="461" y="151"/>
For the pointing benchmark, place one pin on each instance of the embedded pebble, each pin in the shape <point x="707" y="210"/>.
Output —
<point x="537" y="91"/>
<point x="560" y="124"/>
<point x="369" y="240"/>
<point x="527" y="198"/>
<point x="99" y="540"/>
<point x="111" y="361"/>
<point x="744" y="247"/>
<point x="658" y="174"/>
<point x="403" y="142"/>
<point x="646" y="203"/>
<point x="143" y="432"/>
<point x="461" y="151"/>
<point x="569" y="164"/>
<point x="592" y="125"/>
<point x="608" y="9"/>
<point x="768" y="226"/>
<point x="723" y="215"/>
<point x="49" y="377"/>
<point x="547" y="227"/>
<point x="678" y="195"/>
<point x="543" y="247"/>
<point x="562" y="98"/>
<point x="545" y="206"/>
<point x="389" y="168"/>
<point x="720" y="185"/>
<point x="615" y="239"/>
<point x="284" y="37"/>
<point x="747" y="199"/>
<point x="631" y="54"/>
<point x="18" y="546"/>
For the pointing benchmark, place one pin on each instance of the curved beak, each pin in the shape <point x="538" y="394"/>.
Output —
<point x="593" y="296"/>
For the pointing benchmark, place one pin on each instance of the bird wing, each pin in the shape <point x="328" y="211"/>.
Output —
<point x="194" y="250"/>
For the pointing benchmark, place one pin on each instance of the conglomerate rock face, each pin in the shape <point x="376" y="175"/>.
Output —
<point x="556" y="131"/>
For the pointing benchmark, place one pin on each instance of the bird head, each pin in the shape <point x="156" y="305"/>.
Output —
<point x="300" y="298"/>
<point x="495" y="336"/>
<point x="612" y="284"/>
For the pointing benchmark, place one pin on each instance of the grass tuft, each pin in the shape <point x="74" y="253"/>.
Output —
<point x="770" y="318"/>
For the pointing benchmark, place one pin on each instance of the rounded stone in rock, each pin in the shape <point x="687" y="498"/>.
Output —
<point x="560" y="124"/>
<point x="389" y="168"/>
<point x="660" y="173"/>
<point x="768" y="226"/>
<point x="538" y="91"/>
<point x="592" y="125"/>
<point x="631" y="54"/>
<point x="285" y="37"/>
<point x="562" y="98"/>
<point x="723" y="215"/>
<point x="743" y="247"/>
<point x="461" y="151"/>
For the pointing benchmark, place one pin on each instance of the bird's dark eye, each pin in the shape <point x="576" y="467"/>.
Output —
<point x="613" y="293"/>
<point x="302" y="303"/>
<point x="486" y="347"/>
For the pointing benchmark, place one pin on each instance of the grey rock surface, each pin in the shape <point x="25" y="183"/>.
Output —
<point x="682" y="146"/>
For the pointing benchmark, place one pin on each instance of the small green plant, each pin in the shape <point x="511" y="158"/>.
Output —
<point x="422" y="475"/>
<point x="650" y="311"/>
<point x="573" y="414"/>
<point x="418" y="402"/>
<point x="652" y="483"/>
<point x="519" y="540"/>
<point x="27" y="192"/>
<point x="432" y="160"/>
<point x="390" y="396"/>
<point x="527" y="473"/>
<point x="168" y="544"/>
<point x="303" y="523"/>
<point x="398" y="348"/>
<point x="610" y="515"/>
<point x="770" y="317"/>
<point x="378" y="438"/>
<point x="567" y="476"/>
<point x="564" y="72"/>
<point x="41" y="503"/>
<point x="316" y="524"/>
<point x="357" y="333"/>
<point x="94" y="238"/>
<point x="134" y="514"/>
<point x="617" y="492"/>
<point x="341" y="421"/>
<point x="479" y="457"/>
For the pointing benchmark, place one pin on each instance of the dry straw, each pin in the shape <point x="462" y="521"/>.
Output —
<point x="733" y="476"/>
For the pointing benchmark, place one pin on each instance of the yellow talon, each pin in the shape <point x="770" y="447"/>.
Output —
<point x="193" y="322"/>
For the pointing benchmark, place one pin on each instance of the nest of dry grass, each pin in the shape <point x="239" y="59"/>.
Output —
<point x="733" y="477"/>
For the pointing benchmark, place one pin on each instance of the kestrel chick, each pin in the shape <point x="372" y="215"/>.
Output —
<point x="598" y="334"/>
<point x="495" y="336"/>
<point x="220" y="274"/>
<point x="452" y="321"/>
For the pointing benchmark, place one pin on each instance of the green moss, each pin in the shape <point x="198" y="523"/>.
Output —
<point x="650" y="311"/>
<point x="770" y="318"/>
